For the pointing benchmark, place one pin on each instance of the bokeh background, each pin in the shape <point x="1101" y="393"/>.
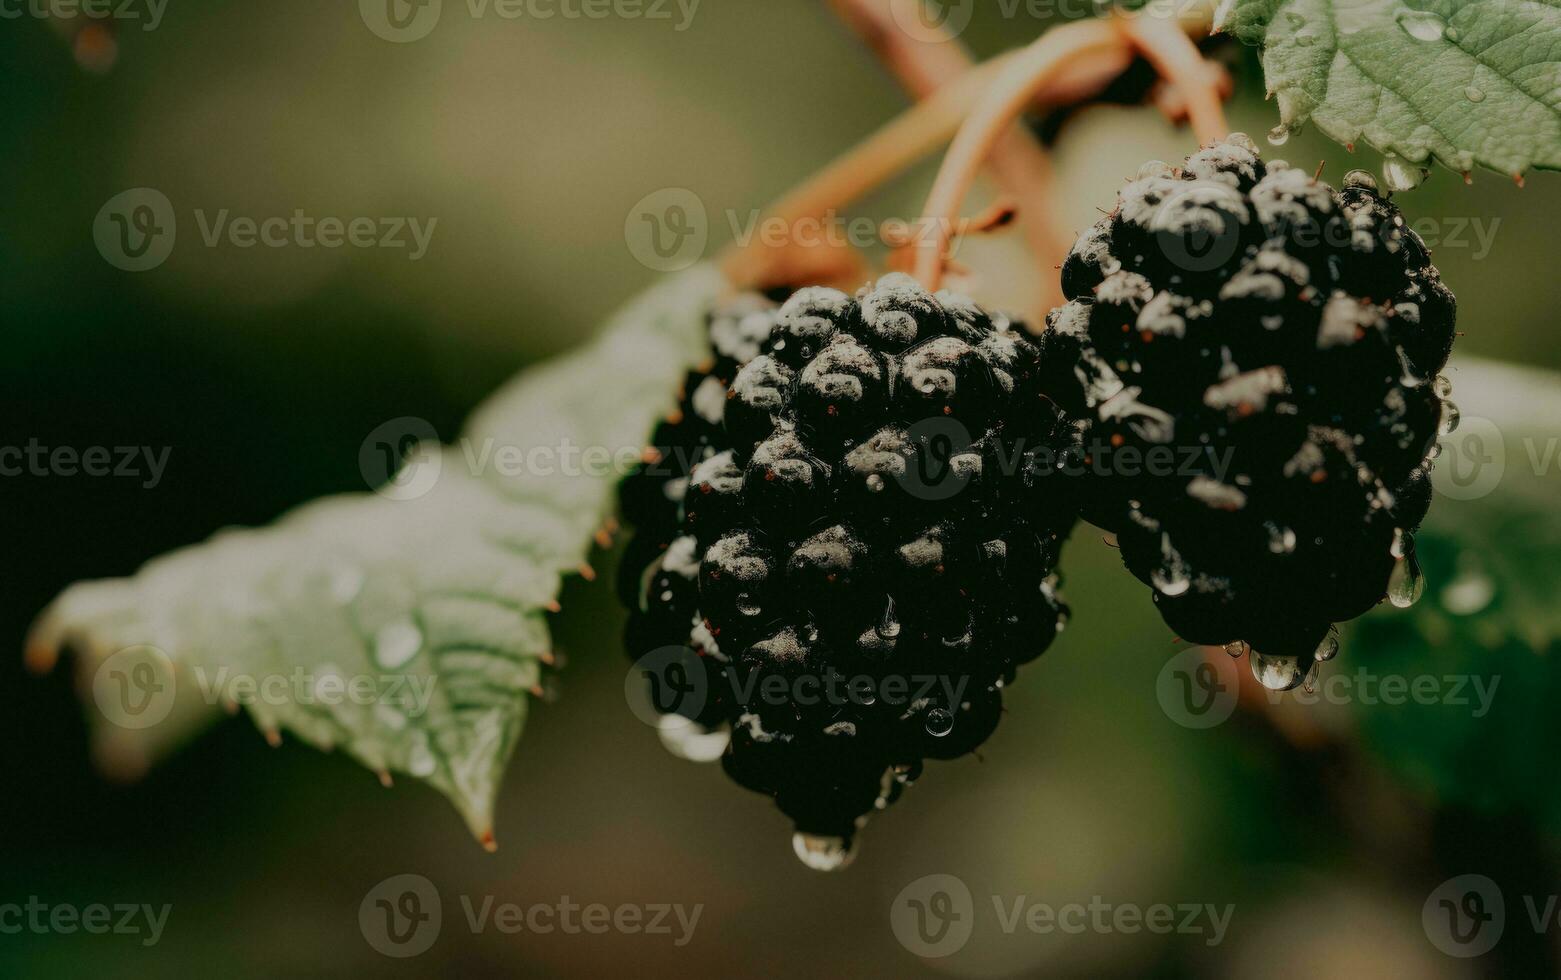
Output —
<point x="531" y="141"/>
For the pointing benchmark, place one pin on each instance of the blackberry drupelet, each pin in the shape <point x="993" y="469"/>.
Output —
<point x="861" y="557"/>
<point x="1256" y="361"/>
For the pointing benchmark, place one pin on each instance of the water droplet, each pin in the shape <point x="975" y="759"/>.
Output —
<point x="1281" y="540"/>
<point x="1327" y="649"/>
<point x="1155" y="168"/>
<point x="1242" y="140"/>
<point x="1407" y="584"/>
<point x="1403" y="543"/>
<point x="1473" y="94"/>
<point x="1434" y="453"/>
<point x="1362" y="180"/>
<point x="397" y="643"/>
<point x="748" y="605"/>
<point x="1443" y="386"/>
<point x="875" y="483"/>
<point x="1422" y="25"/>
<point x="1236" y="648"/>
<point x="823" y="853"/>
<point x="940" y="721"/>
<point x="1400" y="175"/>
<point x="1450" y="418"/>
<point x="1312" y="673"/>
<point x="1277" y="673"/>
<point x="889" y="625"/>
<point x="1453" y="34"/>
<point x="1279" y="135"/>
<point x="1470" y="591"/>
<point x="691" y="741"/>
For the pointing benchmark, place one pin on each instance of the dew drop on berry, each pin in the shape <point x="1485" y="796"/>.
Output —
<point x="1403" y="543"/>
<point x="1443" y="386"/>
<point x="940" y="722"/>
<point x="1327" y="649"/>
<point x="748" y="605"/>
<point x="823" y="853"/>
<point x="1451" y="416"/>
<point x="1309" y="684"/>
<point x="1281" y="540"/>
<point x="875" y="483"/>
<point x="1236" y="648"/>
<point x="691" y="741"/>
<point x="889" y="626"/>
<point x="1362" y="180"/>
<point x="1407" y="583"/>
<point x="1277" y="673"/>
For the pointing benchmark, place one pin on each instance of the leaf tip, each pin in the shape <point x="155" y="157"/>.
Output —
<point x="488" y="842"/>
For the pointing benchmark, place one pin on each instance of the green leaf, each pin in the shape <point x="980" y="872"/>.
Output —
<point x="1488" y="628"/>
<point x="1463" y="81"/>
<point x="430" y="595"/>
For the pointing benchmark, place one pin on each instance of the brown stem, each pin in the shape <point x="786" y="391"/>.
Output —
<point x="1028" y="74"/>
<point x="1165" y="43"/>
<point x="1018" y="162"/>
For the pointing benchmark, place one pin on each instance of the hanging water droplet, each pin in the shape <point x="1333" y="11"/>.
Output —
<point x="1361" y="180"/>
<point x="1400" y="175"/>
<point x="1327" y="649"/>
<point x="1470" y="591"/>
<point x="1434" y="452"/>
<point x="1407" y="584"/>
<point x="690" y="741"/>
<point x="1422" y="25"/>
<point x="1473" y="94"/>
<point x="1236" y="648"/>
<point x="1277" y="673"/>
<point x="1403" y="543"/>
<point x="1309" y="684"/>
<point x="1281" y="540"/>
<point x="940" y="721"/>
<point x="1451" y="416"/>
<point x="1170" y="577"/>
<point x="1279" y="135"/>
<point x="889" y="626"/>
<point x="875" y="483"/>
<point x="1443" y="386"/>
<point x="1242" y="140"/>
<point x="748" y="605"/>
<point x="822" y="853"/>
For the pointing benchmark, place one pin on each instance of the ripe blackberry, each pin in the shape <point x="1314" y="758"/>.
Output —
<point x="861" y="559"/>
<point x="1255" y="359"/>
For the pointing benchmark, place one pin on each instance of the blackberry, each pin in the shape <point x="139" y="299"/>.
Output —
<point x="1254" y="359"/>
<point x="860" y="556"/>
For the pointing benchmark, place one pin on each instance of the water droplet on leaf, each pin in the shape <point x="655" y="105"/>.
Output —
<point x="1279" y="135"/>
<point x="1422" y="25"/>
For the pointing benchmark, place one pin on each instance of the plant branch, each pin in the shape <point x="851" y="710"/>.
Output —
<point x="1165" y="43"/>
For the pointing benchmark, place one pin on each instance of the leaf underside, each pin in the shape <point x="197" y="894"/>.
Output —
<point x="447" y="591"/>
<point x="1464" y="82"/>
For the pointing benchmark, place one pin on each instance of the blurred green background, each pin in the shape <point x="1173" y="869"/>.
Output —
<point x="263" y="370"/>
